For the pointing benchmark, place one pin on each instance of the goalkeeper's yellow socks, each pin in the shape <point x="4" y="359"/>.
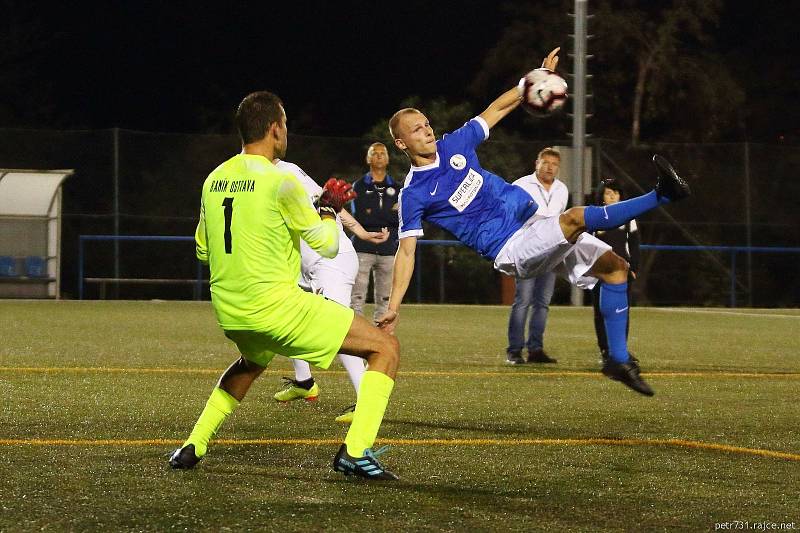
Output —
<point x="373" y="396"/>
<point x="219" y="406"/>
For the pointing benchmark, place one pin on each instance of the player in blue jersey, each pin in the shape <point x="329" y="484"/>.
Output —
<point x="448" y="187"/>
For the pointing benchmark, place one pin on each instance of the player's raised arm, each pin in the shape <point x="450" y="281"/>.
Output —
<point x="401" y="277"/>
<point x="509" y="100"/>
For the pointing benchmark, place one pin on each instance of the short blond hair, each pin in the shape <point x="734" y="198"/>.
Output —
<point x="374" y="145"/>
<point x="395" y="120"/>
<point x="549" y="151"/>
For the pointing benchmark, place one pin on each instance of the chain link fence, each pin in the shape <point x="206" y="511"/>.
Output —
<point x="137" y="183"/>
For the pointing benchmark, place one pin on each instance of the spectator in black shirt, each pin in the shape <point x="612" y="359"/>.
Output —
<point x="375" y="208"/>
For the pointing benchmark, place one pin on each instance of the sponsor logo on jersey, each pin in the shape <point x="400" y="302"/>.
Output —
<point x="467" y="191"/>
<point x="458" y="162"/>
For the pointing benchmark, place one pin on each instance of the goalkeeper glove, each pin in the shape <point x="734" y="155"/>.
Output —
<point x="335" y="194"/>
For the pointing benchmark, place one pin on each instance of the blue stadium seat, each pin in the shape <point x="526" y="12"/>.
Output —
<point x="35" y="266"/>
<point x="8" y="266"/>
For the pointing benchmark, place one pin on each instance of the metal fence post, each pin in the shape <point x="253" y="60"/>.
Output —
<point x="80" y="267"/>
<point x="418" y="272"/>
<point x="733" y="278"/>
<point x="198" y="287"/>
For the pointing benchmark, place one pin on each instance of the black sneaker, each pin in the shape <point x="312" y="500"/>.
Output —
<point x="539" y="356"/>
<point x="670" y="185"/>
<point x="514" y="358"/>
<point x="183" y="458"/>
<point x="367" y="467"/>
<point x="627" y="374"/>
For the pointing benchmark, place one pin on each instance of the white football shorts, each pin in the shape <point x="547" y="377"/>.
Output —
<point x="539" y="246"/>
<point x="332" y="278"/>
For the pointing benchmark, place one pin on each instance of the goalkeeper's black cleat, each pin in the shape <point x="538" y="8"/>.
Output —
<point x="367" y="467"/>
<point x="184" y="458"/>
<point x="628" y="374"/>
<point x="670" y="185"/>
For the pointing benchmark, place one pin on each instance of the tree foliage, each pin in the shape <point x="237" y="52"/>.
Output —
<point x="664" y="53"/>
<point x="652" y="66"/>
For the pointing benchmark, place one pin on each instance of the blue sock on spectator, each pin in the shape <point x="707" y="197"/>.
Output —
<point x="614" y="308"/>
<point x="614" y="215"/>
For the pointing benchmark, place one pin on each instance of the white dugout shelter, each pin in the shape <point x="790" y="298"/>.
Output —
<point x="30" y="232"/>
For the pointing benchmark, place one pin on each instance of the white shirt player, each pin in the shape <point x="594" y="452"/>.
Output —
<point x="551" y="203"/>
<point x="328" y="276"/>
<point x="332" y="278"/>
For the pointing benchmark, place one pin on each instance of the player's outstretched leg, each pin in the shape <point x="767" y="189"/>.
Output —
<point x="382" y="352"/>
<point x="302" y="387"/>
<point x="224" y="399"/>
<point x="612" y="270"/>
<point x="669" y="188"/>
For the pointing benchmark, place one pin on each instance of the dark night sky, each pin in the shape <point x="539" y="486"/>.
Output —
<point x="339" y="68"/>
<point x="149" y="67"/>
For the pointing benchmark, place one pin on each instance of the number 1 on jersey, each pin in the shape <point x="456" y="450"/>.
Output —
<point x="228" y="212"/>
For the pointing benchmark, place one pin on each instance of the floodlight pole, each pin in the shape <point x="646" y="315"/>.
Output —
<point x="578" y="115"/>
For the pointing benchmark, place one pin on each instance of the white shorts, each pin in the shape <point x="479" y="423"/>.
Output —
<point x="539" y="246"/>
<point x="332" y="278"/>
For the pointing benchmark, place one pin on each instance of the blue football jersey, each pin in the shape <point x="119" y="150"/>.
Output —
<point x="455" y="193"/>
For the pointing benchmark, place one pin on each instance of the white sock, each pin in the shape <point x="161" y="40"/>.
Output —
<point x="302" y="371"/>
<point x="355" y="367"/>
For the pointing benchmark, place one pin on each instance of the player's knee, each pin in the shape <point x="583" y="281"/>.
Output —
<point x="389" y="350"/>
<point x="611" y="268"/>
<point x="620" y="266"/>
<point x="572" y="223"/>
<point x="572" y="217"/>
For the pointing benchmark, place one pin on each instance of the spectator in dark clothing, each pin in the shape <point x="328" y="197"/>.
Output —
<point x="375" y="208"/>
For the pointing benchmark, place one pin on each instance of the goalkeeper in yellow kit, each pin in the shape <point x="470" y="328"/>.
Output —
<point x="252" y="217"/>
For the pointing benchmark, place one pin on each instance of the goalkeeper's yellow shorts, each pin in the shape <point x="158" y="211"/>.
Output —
<point x="306" y="326"/>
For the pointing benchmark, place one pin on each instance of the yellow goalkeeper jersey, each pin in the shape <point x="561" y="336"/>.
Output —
<point x="252" y="217"/>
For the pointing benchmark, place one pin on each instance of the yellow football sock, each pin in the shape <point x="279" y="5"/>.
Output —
<point x="218" y="407"/>
<point x="373" y="396"/>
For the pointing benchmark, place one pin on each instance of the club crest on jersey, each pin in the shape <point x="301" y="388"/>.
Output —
<point x="390" y="191"/>
<point x="458" y="162"/>
<point x="467" y="191"/>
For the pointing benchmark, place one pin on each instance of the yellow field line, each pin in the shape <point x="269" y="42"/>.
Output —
<point x="218" y="371"/>
<point x="676" y="443"/>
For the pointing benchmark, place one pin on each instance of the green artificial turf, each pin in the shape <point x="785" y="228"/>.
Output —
<point x="137" y="374"/>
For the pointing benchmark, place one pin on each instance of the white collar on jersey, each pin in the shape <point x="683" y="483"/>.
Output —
<point x="429" y="166"/>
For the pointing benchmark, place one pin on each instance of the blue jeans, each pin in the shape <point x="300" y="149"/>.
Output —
<point x="535" y="292"/>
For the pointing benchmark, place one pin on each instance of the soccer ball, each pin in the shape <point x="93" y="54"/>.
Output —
<point x="543" y="92"/>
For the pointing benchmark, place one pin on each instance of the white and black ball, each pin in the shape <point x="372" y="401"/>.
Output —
<point x="543" y="92"/>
